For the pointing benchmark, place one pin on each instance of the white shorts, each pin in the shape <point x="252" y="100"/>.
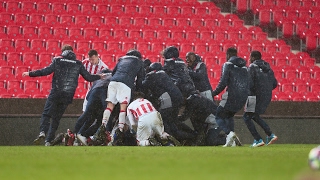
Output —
<point x="149" y="125"/>
<point x="118" y="93"/>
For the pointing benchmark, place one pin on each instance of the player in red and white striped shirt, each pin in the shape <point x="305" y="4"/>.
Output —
<point x="93" y="65"/>
<point x="143" y="116"/>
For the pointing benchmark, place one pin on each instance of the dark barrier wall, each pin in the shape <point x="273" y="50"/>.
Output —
<point x="293" y="122"/>
<point x="275" y="109"/>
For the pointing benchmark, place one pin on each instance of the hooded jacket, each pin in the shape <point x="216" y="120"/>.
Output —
<point x="158" y="82"/>
<point x="235" y="78"/>
<point x="199" y="75"/>
<point x="66" y="70"/>
<point x="178" y="72"/>
<point x="130" y="71"/>
<point x="264" y="82"/>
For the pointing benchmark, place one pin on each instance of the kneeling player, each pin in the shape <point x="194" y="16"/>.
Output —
<point x="147" y="122"/>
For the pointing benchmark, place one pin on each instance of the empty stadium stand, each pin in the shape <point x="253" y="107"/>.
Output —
<point x="31" y="33"/>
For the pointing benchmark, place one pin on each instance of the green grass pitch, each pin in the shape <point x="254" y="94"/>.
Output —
<point x="277" y="161"/>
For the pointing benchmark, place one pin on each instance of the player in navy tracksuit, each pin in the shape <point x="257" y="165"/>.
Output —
<point x="127" y="76"/>
<point x="264" y="82"/>
<point x="235" y="79"/>
<point x="178" y="71"/>
<point x="167" y="99"/>
<point x="199" y="75"/>
<point x="96" y="104"/>
<point x="66" y="70"/>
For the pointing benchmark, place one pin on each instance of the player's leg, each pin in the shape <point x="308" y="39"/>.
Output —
<point x="111" y="101"/>
<point x="270" y="136"/>
<point x="56" y="117"/>
<point x="144" y="132"/>
<point x="123" y="96"/>
<point x="44" y="122"/>
<point x="247" y="117"/>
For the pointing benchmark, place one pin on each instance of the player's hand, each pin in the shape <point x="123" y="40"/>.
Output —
<point x="103" y="76"/>
<point x="25" y="74"/>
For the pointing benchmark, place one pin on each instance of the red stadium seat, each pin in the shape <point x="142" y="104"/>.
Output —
<point x="131" y="9"/>
<point x="43" y="7"/>
<point x="19" y="70"/>
<point x="59" y="8"/>
<point x="67" y="20"/>
<point x="7" y="18"/>
<point x="140" y="21"/>
<point x="53" y="46"/>
<point x="37" y="45"/>
<point x="97" y="21"/>
<point x="111" y="20"/>
<point x="99" y="46"/>
<point x="14" y="59"/>
<point x="6" y="72"/>
<point x="81" y="20"/>
<point x="31" y="87"/>
<point x="83" y="46"/>
<point x="241" y="6"/>
<point x="120" y="33"/>
<point x="21" y="19"/>
<point x="22" y="45"/>
<point x="45" y="32"/>
<point x="30" y="59"/>
<point x="145" y="46"/>
<point x="60" y="32"/>
<point x="45" y="86"/>
<point x="88" y="9"/>
<point x="15" y="87"/>
<point x="28" y="7"/>
<point x="126" y="46"/>
<point x="116" y="8"/>
<point x="75" y="33"/>
<point x="74" y="8"/>
<point x="30" y="32"/>
<point x="14" y="31"/>
<point x="187" y="11"/>
<point x="13" y="6"/>
<point x="37" y="19"/>
<point x="7" y="45"/>
<point x="90" y="33"/>
<point x="45" y="59"/>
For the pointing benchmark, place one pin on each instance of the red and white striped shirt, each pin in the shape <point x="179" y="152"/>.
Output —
<point x="138" y="108"/>
<point x="92" y="68"/>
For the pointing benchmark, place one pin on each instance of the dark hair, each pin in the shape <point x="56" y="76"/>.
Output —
<point x="92" y="52"/>
<point x="171" y="52"/>
<point x="155" y="66"/>
<point x="138" y="94"/>
<point x="134" y="52"/>
<point x="66" y="47"/>
<point x="146" y="63"/>
<point x="256" y="55"/>
<point x="191" y="53"/>
<point x="232" y="51"/>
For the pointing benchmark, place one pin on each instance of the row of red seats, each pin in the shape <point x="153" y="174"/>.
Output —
<point x="245" y="5"/>
<point x="33" y="88"/>
<point x="172" y="8"/>
<point x="294" y="21"/>
<point x="83" y="21"/>
<point x="295" y="96"/>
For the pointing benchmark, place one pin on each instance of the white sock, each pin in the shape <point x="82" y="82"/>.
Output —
<point x="122" y="120"/>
